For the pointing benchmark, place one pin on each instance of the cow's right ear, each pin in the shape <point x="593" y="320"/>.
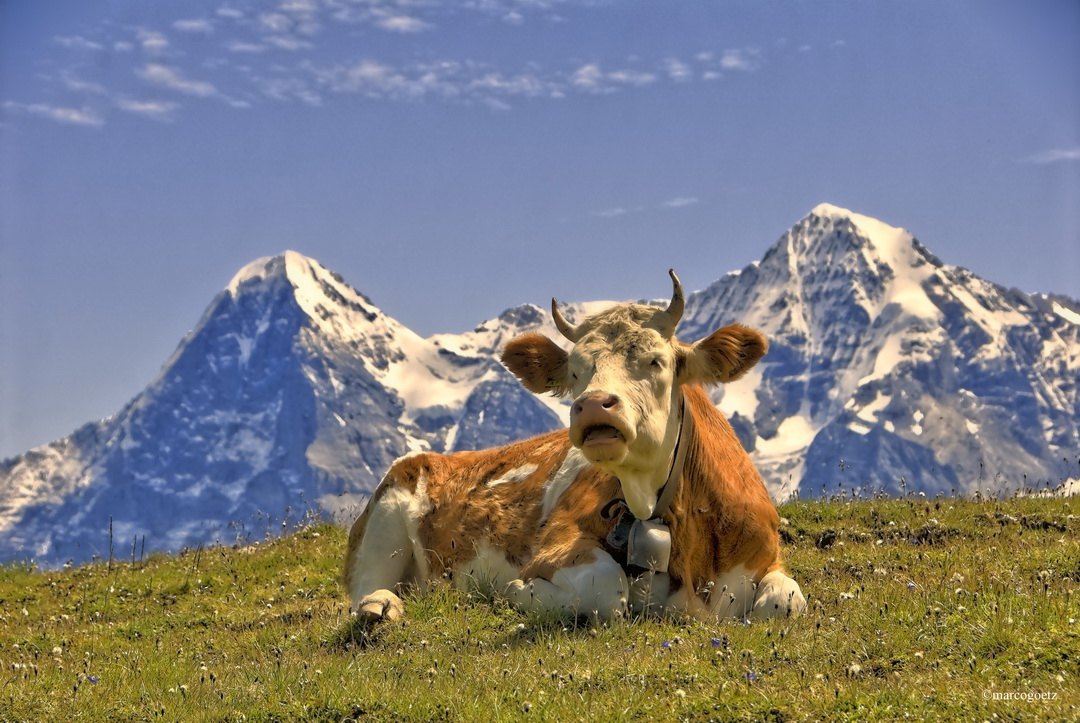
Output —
<point x="539" y="363"/>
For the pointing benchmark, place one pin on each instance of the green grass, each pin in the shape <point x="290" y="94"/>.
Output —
<point x="919" y="609"/>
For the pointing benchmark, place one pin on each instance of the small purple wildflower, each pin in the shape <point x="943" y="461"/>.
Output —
<point x="93" y="678"/>
<point x="911" y="586"/>
<point x="745" y="621"/>
<point x="665" y="644"/>
<point x="716" y="642"/>
<point x="749" y="676"/>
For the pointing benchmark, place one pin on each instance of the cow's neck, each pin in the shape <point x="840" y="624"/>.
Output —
<point x="648" y="492"/>
<point x="645" y="535"/>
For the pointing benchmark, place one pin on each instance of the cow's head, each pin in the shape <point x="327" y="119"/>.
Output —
<point x="624" y="374"/>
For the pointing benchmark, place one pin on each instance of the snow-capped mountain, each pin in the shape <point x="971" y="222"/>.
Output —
<point x="891" y="370"/>
<point x="293" y="393"/>
<point x="887" y="370"/>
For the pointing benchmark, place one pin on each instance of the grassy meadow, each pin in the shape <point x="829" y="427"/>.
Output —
<point x="948" y="609"/>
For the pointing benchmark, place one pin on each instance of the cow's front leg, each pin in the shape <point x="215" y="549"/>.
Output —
<point x="778" y="596"/>
<point x="597" y="588"/>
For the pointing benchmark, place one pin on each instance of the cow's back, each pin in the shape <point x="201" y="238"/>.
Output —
<point x="469" y="503"/>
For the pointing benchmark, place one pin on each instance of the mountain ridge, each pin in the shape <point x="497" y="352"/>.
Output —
<point x="888" y="370"/>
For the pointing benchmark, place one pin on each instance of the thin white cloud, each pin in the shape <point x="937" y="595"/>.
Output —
<point x="589" y="78"/>
<point x="275" y="22"/>
<point x="383" y="81"/>
<point x="77" y="42"/>
<point x="70" y="116"/>
<point x="81" y="86"/>
<point x="173" y="79"/>
<point x="677" y="70"/>
<point x="242" y="47"/>
<point x="673" y="203"/>
<point x="681" y="202"/>
<point x="153" y="109"/>
<point x="288" y="42"/>
<point x="522" y="84"/>
<point x="497" y="105"/>
<point x="740" y="59"/>
<point x="286" y="89"/>
<point x="632" y="77"/>
<point x="611" y="213"/>
<point x="156" y="110"/>
<point x="299" y="6"/>
<point x="152" y="41"/>
<point x="1055" y="155"/>
<point x="399" y="23"/>
<point x="195" y="25"/>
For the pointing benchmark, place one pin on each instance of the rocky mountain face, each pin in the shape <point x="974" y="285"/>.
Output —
<point x="887" y="370"/>
<point x="293" y="394"/>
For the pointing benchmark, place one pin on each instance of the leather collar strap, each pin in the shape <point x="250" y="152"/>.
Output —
<point x="682" y="444"/>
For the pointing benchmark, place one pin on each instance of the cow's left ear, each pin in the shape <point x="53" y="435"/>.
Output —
<point x="539" y="363"/>
<point x="723" y="356"/>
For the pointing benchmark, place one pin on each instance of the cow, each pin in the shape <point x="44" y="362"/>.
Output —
<point x="647" y="504"/>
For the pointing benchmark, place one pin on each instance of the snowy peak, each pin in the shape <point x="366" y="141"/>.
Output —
<point x="319" y="292"/>
<point x="872" y="264"/>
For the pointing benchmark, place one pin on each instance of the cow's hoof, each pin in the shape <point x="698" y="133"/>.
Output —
<point x="778" y="596"/>
<point x="380" y="605"/>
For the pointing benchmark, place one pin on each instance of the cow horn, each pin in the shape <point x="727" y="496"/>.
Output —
<point x="669" y="318"/>
<point x="565" y="327"/>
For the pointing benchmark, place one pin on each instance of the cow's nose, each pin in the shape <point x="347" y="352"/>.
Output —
<point x="597" y="402"/>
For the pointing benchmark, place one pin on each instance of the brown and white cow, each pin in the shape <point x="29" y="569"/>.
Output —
<point x="647" y="503"/>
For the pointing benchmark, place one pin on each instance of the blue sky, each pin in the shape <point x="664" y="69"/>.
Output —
<point x="454" y="158"/>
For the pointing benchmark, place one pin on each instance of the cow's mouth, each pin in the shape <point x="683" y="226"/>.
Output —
<point x="601" y="434"/>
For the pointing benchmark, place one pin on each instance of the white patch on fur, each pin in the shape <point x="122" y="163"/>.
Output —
<point x="596" y="588"/>
<point x="568" y="471"/>
<point x="488" y="571"/>
<point x="732" y="593"/>
<point x="778" y="596"/>
<point x="391" y="548"/>
<point x="519" y="474"/>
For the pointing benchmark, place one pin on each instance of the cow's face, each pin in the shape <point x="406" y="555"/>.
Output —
<point x="624" y="374"/>
<point x="621" y="376"/>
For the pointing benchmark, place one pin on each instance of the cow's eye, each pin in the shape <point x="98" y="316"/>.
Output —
<point x="656" y="363"/>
